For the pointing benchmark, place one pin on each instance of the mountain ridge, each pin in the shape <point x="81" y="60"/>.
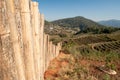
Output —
<point x="77" y="21"/>
<point x="85" y="25"/>
<point x="111" y="22"/>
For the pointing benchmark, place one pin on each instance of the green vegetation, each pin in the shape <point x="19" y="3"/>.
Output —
<point x="106" y="77"/>
<point x="91" y="45"/>
<point x="94" y="46"/>
<point x="100" y="48"/>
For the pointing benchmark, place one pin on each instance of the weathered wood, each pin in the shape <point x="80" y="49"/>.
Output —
<point x="44" y="52"/>
<point x="8" y="66"/>
<point x="4" y="29"/>
<point x="36" y="36"/>
<point x="0" y="14"/>
<point x="47" y="53"/>
<point x="51" y="50"/>
<point x="59" y="48"/>
<point x="18" y="23"/>
<point x="1" y="61"/>
<point x="27" y="40"/>
<point x="25" y="50"/>
<point x="1" y="17"/>
<point x="15" y="40"/>
<point x="41" y="46"/>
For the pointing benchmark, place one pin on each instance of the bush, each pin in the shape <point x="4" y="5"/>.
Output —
<point x="62" y="35"/>
<point x="106" y="77"/>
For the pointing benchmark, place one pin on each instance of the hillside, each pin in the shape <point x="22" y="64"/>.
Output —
<point x="83" y="25"/>
<point x="113" y="22"/>
<point x="74" y="27"/>
<point x="90" y="57"/>
<point x="78" y="21"/>
<point x="84" y="56"/>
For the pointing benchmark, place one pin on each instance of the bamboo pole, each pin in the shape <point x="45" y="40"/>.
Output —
<point x="27" y="40"/>
<point x="14" y="39"/>
<point x="36" y="36"/>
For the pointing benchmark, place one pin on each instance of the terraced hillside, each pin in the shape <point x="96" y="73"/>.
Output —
<point x="103" y="49"/>
<point x="93" y="56"/>
<point x="113" y="46"/>
<point x="108" y="46"/>
<point x="91" y="52"/>
<point x="93" y="39"/>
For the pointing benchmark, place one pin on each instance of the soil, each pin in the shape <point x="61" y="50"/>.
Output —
<point x="59" y="62"/>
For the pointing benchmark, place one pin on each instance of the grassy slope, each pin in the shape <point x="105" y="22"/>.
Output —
<point x="87" y="58"/>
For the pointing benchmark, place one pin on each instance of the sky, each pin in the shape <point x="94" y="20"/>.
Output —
<point x="96" y="10"/>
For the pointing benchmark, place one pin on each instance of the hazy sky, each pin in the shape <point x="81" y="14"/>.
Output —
<point x="92" y="9"/>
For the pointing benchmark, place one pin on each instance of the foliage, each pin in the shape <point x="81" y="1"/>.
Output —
<point x="62" y="35"/>
<point x="55" y="41"/>
<point x="106" y="77"/>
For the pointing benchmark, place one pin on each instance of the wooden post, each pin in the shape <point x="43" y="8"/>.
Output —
<point x="59" y="47"/>
<point x="50" y="50"/>
<point x="36" y="36"/>
<point x="1" y="73"/>
<point x="44" y="52"/>
<point x="41" y="46"/>
<point x="3" y="28"/>
<point x="48" y="53"/>
<point x="1" y="16"/>
<point x="27" y="39"/>
<point x="14" y="38"/>
<point x="54" y="52"/>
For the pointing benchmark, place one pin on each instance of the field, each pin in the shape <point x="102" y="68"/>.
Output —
<point x="94" y="56"/>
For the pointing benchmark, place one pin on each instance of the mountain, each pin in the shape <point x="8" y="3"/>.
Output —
<point x="113" y="22"/>
<point x="76" y="25"/>
<point x="79" y="22"/>
<point x="84" y="25"/>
